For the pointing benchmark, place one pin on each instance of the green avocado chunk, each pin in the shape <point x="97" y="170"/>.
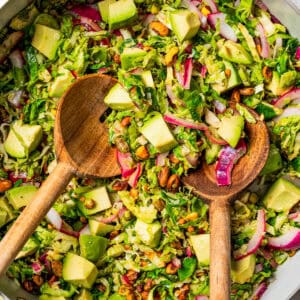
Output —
<point x="132" y="58"/>
<point x="84" y="295"/>
<point x="184" y="23"/>
<point x="79" y="271"/>
<point x="231" y="129"/>
<point x="104" y="9"/>
<point x="281" y="83"/>
<point x="282" y="195"/>
<point x="20" y="196"/>
<point x="99" y="228"/>
<point x="118" y="98"/>
<point x="116" y="297"/>
<point x="211" y="153"/>
<point x="274" y="161"/>
<point x="243" y="269"/>
<point x="49" y="297"/>
<point x="22" y="139"/>
<point x="6" y="212"/>
<point x="149" y="234"/>
<point x="201" y="246"/>
<point x="61" y="82"/>
<point x="229" y="83"/>
<point x="29" y="248"/>
<point x="234" y="52"/>
<point x="92" y="247"/>
<point x="162" y="139"/>
<point x="121" y="13"/>
<point x="101" y="201"/>
<point x="46" y="40"/>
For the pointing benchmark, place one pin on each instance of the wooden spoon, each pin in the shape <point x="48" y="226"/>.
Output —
<point x="204" y="184"/>
<point x="82" y="148"/>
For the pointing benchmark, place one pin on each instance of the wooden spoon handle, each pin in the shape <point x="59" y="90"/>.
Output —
<point x="219" y="250"/>
<point x="33" y="214"/>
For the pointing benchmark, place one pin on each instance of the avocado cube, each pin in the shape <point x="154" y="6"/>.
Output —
<point x="121" y="13"/>
<point x="231" y="82"/>
<point x="92" y="247"/>
<point x="22" y="139"/>
<point x="79" y="271"/>
<point x="101" y="198"/>
<point x="185" y="24"/>
<point x="274" y="161"/>
<point x="61" y="82"/>
<point x="201" y="246"/>
<point x="157" y="132"/>
<point x="243" y="269"/>
<point x="63" y="243"/>
<point x="149" y="234"/>
<point x="20" y="196"/>
<point x="234" y="52"/>
<point x="132" y="58"/>
<point x="13" y="146"/>
<point x="104" y="9"/>
<point x="281" y="83"/>
<point x="282" y="195"/>
<point x="84" y="295"/>
<point x="29" y="248"/>
<point x="116" y="297"/>
<point x="118" y="98"/>
<point x="46" y="40"/>
<point x="231" y="129"/>
<point x="4" y="206"/>
<point x="211" y="153"/>
<point x="99" y="228"/>
<point x="3" y="217"/>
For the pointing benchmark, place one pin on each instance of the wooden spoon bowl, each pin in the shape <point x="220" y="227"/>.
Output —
<point x="204" y="184"/>
<point x="82" y="148"/>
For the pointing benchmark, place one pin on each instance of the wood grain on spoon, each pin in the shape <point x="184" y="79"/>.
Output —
<point x="82" y="148"/>
<point x="204" y="184"/>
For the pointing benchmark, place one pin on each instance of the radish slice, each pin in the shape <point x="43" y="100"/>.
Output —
<point x="126" y="163"/>
<point x="133" y="179"/>
<point x="256" y="239"/>
<point x="203" y="71"/>
<point x="290" y="111"/>
<point x="54" y="218"/>
<point x="161" y="159"/>
<point x="188" y="252"/>
<point x="87" y="11"/>
<point x="225" y="30"/>
<point x="295" y="217"/>
<point x="176" y="262"/>
<point x="220" y="107"/>
<point x="172" y="119"/>
<point x="88" y="23"/>
<point x="265" y="48"/>
<point x="258" y="292"/>
<point x="125" y="280"/>
<point x="85" y="230"/>
<point x="297" y="54"/>
<point x="213" y="139"/>
<point x="37" y="267"/>
<point x="187" y="76"/>
<point x="287" y="241"/>
<point x="286" y="98"/>
<point x="227" y="158"/>
<point x="212" y="6"/>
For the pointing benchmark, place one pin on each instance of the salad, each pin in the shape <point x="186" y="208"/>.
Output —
<point x="190" y="76"/>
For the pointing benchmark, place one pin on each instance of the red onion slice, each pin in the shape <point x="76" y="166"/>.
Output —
<point x="286" y="98"/>
<point x="176" y="262"/>
<point x="203" y="71"/>
<point x="265" y="47"/>
<point x="256" y="239"/>
<point x="188" y="252"/>
<point x="37" y="267"/>
<point x="161" y="159"/>
<point x="87" y="11"/>
<point x="212" y="5"/>
<point x="295" y="216"/>
<point x="288" y="241"/>
<point x="54" y="218"/>
<point x="172" y="119"/>
<point x="289" y="111"/>
<point x="126" y="163"/>
<point x="220" y="107"/>
<point x="133" y="179"/>
<point x="259" y="291"/>
<point x="201" y="297"/>
<point x="225" y="30"/>
<point x="148" y="19"/>
<point x="17" y="59"/>
<point x="227" y="158"/>
<point x="88" y="23"/>
<point x="192" y="7"/>
<point x="85" y="230"/>
<point x="297" y="54"/>
<point x="188" y="69"/>
<point x="16" y="99"/>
